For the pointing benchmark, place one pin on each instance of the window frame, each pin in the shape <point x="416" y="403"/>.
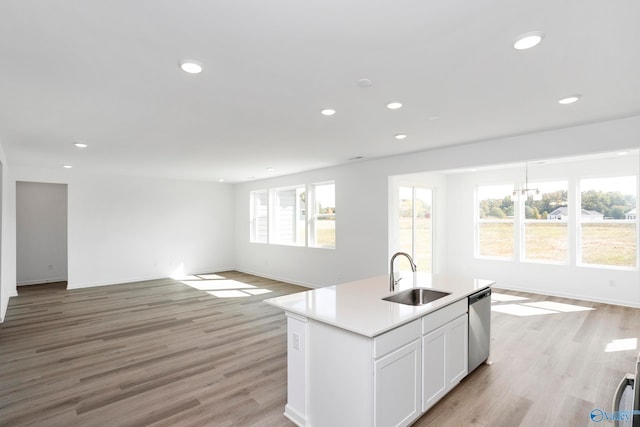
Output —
<point x="313" y="215"/>
<point x="303" y="218"/>
<point x="255" y="217"/>
<point x="276" y="217"/>
<point x="579" y="222"/>
<point x="524" y="221"/>
<point x="574" y="223"/>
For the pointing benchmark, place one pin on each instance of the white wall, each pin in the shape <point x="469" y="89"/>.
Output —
<point x="8" y="243"/>
<point x="571" y="280"/>
<point x="359" y="251"/>
<point x="123" y="229"/>
<point x="41" y="232"/>
<point x="362" y="205"/>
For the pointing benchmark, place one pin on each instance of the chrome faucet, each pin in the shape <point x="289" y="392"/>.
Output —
<point x="392" y="281"/>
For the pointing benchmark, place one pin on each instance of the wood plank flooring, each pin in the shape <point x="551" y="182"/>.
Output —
<point x="157" y="352"/>
<point x="165" y="353"/>
<point x="550" y="364"/>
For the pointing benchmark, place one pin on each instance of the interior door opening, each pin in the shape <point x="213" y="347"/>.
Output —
<point x="41" y="234"/>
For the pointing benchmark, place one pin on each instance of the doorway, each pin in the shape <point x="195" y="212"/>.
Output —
<point x="41" y="233"/>
<point x="415" y="221"/>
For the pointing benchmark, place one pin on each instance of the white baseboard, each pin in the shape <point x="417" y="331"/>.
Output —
<point x="280" y="279"/>
<point x="141" y="279"/>
<point x="5" y="304"/>
<point x="41" y="281"/>
<point x="292" y="414"/>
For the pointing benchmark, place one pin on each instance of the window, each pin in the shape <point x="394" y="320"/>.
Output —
<point x="288" y="216"/>
<point x="279" y="215"/>
<point x="415" y="234"/>
<point x="495" y="221"/>
<point x="259" y="201"/>
<point x="546" y="236"/>
<point x="608" y="224"/>
<point x="322" y="218"/>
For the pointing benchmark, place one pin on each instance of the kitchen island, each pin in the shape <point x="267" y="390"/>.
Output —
<point x="355" y="359"/>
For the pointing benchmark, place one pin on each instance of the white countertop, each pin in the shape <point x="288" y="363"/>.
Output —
<point x="358" y="306"/>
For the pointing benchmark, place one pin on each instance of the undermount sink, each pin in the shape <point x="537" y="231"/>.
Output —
<point x="416" y="296"/>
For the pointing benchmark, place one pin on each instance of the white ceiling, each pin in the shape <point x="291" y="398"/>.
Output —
<point x="106" y="73"/>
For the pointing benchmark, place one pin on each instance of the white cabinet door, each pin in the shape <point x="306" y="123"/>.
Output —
<point x="445" y="356"/>
<point x="457" y="350"/>
<point x="434" y="346"/>
<point x="397" y="386"/>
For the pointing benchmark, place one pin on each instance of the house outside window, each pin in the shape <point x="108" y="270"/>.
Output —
<point x="545" y="230"/>
<point x="288" y="211"/>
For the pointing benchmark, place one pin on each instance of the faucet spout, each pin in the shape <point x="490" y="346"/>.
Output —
<point x="392" y="281"/>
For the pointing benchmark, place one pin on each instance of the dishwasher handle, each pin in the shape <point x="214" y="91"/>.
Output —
<point x="479" y="296"/>
<point x="627" y="381"/>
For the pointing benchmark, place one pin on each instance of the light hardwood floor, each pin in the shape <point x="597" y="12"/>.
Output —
<point x="166" y="353"/>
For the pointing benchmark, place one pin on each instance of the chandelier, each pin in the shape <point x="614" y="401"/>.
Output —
<point x="525" y="192"/>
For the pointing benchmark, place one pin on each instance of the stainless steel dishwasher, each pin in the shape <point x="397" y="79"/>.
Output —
<point x="479" y="327"/>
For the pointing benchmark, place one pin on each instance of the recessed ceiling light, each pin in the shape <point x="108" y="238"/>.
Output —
<point x="221" y="180"/>
<point x="67" y="166"/>
<point x="622" y="153"/>
<point x="364" y="82"/>
<point x="328" y="112"/>
<point x="80" y="145"/>
<point x="271" y="169"/>
<point x="191" y="67"/>
<point x="394" y="105"/>
<point x="528" y="40"/>
<point x="401" y="136"/>
<point x="569" y="99"/>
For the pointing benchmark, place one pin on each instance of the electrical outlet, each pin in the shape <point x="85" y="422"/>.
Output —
<point x="296" y="342"/>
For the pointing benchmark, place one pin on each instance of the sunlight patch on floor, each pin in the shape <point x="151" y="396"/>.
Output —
<point x="216" y="285"/>
<point x="624" y="344"/>
<point x="210" y="276"/>
<point x="537" y="308"/>
<point x="558" y="306"/>
<point x="220" y="287"/>
<point x="498" y="297"/>
<point x="520" y="310"/>
<point x="257" y="291"/>
<point x="229" y="294"/>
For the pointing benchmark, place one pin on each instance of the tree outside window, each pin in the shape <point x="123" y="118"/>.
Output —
<point x="608" y="221"/>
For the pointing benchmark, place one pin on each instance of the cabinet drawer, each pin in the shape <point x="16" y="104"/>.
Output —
<point x="444" y="315"/>
<point x="396" y="338"/>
